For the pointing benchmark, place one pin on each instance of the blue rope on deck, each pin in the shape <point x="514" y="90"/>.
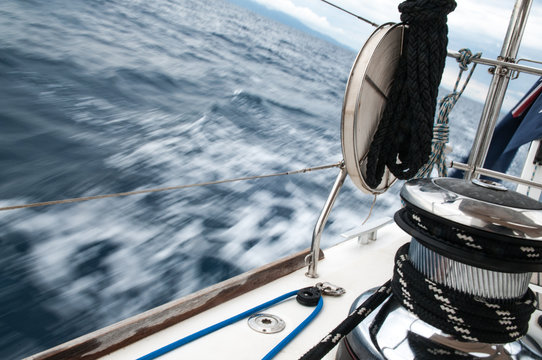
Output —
<point x="176" y="344"/>
<point x="295" y="332"/>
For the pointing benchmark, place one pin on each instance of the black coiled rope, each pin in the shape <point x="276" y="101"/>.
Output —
<point x="467" y="318"/>
<point x="402" y="141"/>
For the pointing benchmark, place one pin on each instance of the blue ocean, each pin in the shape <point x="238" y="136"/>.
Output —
<point x="99" y="97"/>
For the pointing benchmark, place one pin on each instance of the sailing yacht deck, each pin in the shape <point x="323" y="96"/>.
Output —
<point x="349" y="265"/>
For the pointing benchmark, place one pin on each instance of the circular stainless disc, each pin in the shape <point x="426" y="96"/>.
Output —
<point x="266" y="323"/>
<point x="365" y="99"/>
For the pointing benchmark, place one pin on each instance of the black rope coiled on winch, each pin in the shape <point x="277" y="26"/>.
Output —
<point x="402" y="141"/>
<point x="492" y="246"/>
<point x="464" y="316"/>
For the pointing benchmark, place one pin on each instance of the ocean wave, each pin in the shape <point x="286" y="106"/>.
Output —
<point x="113" y="96"/>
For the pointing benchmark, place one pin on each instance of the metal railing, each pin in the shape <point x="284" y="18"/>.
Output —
<point x="498" y="86"/>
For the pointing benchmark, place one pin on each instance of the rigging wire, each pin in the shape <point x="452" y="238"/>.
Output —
<point x="370" y="211"/>
<point x="351" y="13"/>
<point x="146" y="191"/>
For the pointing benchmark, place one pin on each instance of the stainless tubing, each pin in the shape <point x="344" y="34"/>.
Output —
<point x="504" y="64"/>
<point x="499" y="83"/>
<point x="495" y="174"/>
<point x="312" y="258"/>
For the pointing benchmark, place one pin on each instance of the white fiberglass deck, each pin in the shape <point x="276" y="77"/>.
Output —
<point x="354" y="267"/>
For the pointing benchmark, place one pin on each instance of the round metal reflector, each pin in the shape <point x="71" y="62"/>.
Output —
<point x="365" y="99"/>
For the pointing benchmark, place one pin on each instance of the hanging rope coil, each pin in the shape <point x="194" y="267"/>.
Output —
<point x="402" y="142"/>
<point x="441" y="129"/>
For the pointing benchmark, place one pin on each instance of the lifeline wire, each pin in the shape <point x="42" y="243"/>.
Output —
<point x="145" y="191"/>
<point x="351" y="13"/>
<point x="370" y="211"/>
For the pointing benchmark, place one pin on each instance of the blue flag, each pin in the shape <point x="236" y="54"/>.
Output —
<point x="520" y="126"/>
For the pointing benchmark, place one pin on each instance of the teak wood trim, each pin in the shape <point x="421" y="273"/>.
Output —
<point x="104" y="341"/>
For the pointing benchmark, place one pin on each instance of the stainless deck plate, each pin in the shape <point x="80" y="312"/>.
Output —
<point x="266" y="323"/>
<point x="365" y="99"/>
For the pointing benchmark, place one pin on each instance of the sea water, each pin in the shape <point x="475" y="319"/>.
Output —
<point x="99" y="97"/>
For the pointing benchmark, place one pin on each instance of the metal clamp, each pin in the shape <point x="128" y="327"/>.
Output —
<point x="330" y="289"/>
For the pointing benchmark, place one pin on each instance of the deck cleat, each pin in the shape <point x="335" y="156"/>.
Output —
<point x="330" y="289"/>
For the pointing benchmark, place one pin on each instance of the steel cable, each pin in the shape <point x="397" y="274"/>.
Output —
<point x="169" y="188"/>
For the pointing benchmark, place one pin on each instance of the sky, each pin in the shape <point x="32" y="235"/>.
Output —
<point x="476" y="24"/>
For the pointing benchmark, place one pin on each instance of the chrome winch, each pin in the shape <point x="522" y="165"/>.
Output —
<point x="474" y="244"/>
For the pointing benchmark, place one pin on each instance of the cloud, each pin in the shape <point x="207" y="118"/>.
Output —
<point x="381" y="11"/>
<point x="305" y="15"/>
<point x="476" y="89"/>
<point x="486" y="20"/>
<point x="531" y="38"/>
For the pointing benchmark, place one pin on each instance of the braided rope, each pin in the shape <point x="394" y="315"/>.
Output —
<point x="441" y="129"/>
<point x="402" y="141"/>
<point x="467" y="318"/>
<point x="348" y="324"/>
<point x="458" y="237"/>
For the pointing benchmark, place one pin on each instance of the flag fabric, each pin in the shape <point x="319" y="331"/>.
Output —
<point x="520" y="126"/>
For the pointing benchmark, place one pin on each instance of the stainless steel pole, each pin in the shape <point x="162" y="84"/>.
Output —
<point x="497" y="89"/>
<point x="496" y="175"/>
<point x="491" y="62"/>
<point x="312" y="258"/>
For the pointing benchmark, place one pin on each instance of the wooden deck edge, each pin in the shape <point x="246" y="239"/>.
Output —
<point x="104" y="341"/>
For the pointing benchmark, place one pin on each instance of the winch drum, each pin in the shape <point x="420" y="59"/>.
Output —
<point x="493" y="234"/>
